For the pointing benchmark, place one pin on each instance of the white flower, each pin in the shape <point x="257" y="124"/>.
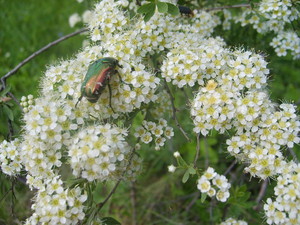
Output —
<point x="171" y="168"/>
<point x="176" y="154"/>
<point x="222" y="196"/>
<point x="73" y="19"/>
<point x="203" y="185"/>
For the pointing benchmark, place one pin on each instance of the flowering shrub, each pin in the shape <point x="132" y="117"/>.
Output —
<point x="95" y="141"/>
<point x="276" y="16"/>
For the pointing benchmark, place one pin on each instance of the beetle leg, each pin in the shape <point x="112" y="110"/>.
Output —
<point x="78" y="100"/>
<point x="109" y="89"/>
<point x="120" y="78"/>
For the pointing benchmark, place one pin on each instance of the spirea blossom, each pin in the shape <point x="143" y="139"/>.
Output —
<point x="214" y="184"/>
<point x="232" y="221"/>
<point x="56" y="205"/>
<point x="10" y="161"/>
<point x="285" y="42"/>
<point x="97" y="152"/>
<point x="231" y="95"/>
<point x="27" y="102"/>
<point x="262" y="144"/>
<point x="275" y="16"/>
<point x="284" y="208"/>
<point x="157" y="132"/>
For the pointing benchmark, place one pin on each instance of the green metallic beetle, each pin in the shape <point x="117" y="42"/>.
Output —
<point x="97" y="78"/>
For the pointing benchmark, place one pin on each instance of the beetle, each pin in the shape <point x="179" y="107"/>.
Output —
<point x="97" y="77"/>
<point x="186" y="11"/>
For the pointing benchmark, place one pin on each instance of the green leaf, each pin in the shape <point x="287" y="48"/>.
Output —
<point x="6" y="90"/>
<point x="110" y="221"/>
<point x="203" y="197"/>
<point x="185" y="176"/>
<point x="192" y="170"/>
<point x="172" y="9"/>
<point x="162" y="7"/>
<point x="146" y="8"/>
<point x="149" y="15"/>
<point x="8" y="112"/>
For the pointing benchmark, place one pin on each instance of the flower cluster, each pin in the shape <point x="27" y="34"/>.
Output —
<point x="150" y="131"/>
<point x="161" y="106"/>
<point x="261" y="144"/>
<point x="203" y="23"/>
<point x="231" y="95"/>
<point x="56" y="205"/>
<point x="189" y="66"/>
<point x="108" y="18"/>
<point x="214" y="184"/>
<point x="236" y="98"/>
<point x="228" y="95"/>
<point x="27" y="102"/>
<point x="47" y="130"/>
<point x="10" y="161"/>
<point x="97" y="151"/>
<point x="278" y="10"/>
<point x="286" y="41"/>
<point x="285" y="208"/>
<point x="232" y="221"/>
<point x="273" y="15"/>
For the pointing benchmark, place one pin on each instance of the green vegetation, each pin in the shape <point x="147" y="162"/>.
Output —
<point x="159" y="196"/>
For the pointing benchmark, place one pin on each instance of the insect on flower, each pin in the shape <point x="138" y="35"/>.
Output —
<point x="186" y="11"/>
<point x="97" y="77"/>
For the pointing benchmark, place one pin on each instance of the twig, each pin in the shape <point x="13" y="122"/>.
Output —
<point x="10" y="129"/>
<point x="197" y="150"/>
<point x="229" y="7"/>
<point x="230" y="167"/>
<point x="211" y="212"/>
<point x="293" y="154"/>
<point x="206" y="153"/>
<point x="13" y="198"/>
<point x="189" y="206"/>
<point x="261" y="194"/>
<point x="133" y="202"/>
<point x="101" y="204"/>
<point x="174" y="111"/>
<point x="13" y="71"/>
<point x="15" y="99"/>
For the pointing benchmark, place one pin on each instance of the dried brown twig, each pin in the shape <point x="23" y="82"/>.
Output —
<point x="13" y="71"/>
<point x="229" y="7"/>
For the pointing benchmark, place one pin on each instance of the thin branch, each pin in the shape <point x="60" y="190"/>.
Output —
<point x="189" y="206"/>
<point x="174" y="111"/>
<point x="230" y="167"/>
<point x="101" y="204"/>
<point x="229" y="7"/>
<point x="133" y="202"/>
<point x="13" y="71"/>
<point x="261" y="194"/>
<point x="15" y="99"/>
<point x="206" y="153"/>
<point x="293" y="154"/>
<point x="197" y="150"/>
<point x="10" y="129"/>
<point x="211" y="212"/>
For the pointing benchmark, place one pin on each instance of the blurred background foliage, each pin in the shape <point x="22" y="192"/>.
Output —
<point x="157" y="197"/>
